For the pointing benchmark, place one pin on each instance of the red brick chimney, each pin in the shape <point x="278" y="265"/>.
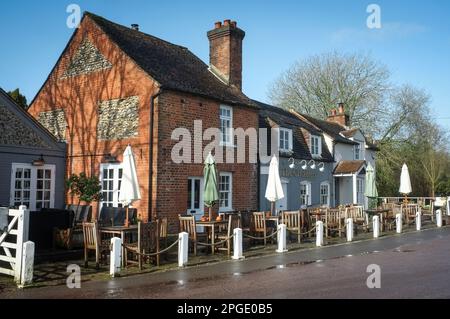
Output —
<point x="338" y="116"/>
<point x="225" y="51"/>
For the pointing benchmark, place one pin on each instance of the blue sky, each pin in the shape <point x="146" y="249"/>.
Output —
<point x="414" y="41"/>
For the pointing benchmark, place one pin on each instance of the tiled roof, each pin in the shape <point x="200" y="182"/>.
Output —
<point x="349" y="133"/>
<point x="348" y="167"/>
<point x="271" y="114"/>
<point x="332" y="129"/>
<point x="172" y="66"/>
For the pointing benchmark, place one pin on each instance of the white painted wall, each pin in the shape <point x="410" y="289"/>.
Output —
<point x="343" y="152"/>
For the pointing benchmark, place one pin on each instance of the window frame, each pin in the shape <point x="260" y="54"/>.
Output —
<point x="283" y="130"/>
<point x="230" y="192"/>
<point x="33" y="184"/>
<point x="360" y="146"/>
<point x="230" y="141"/>
<point x="116" y="181"/>
<point x="327" y="184"/>
<point x="319" y="145"/>
<point x="308" y="193"/>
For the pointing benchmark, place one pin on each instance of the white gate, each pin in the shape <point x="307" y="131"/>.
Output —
<point x="12" y="239"/>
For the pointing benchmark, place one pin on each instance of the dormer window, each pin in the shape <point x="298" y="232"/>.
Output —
<point x="285" y="140"/>
<point x="358" y="155"/>
<point x="315" y="145"/>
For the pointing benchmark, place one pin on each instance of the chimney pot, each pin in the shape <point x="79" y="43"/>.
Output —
<point x="226" y="22"/>
<point x="341" y="108"/>
<point x="135" y="26"/>
<point x="217" y="25"/>
<point x="234" y="24"/>
<point x="333" y="112"/>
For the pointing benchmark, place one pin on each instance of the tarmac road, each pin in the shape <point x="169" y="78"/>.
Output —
<point x="413" y="265"/>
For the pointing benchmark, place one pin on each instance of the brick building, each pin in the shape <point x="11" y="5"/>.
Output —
<point x="113" y="86"/>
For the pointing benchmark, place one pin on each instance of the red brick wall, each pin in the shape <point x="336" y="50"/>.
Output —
<point x="80" y="95"/>
<point x="180" y="110"/>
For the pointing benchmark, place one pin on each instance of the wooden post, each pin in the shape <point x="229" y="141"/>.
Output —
<point x="115" y="256"/>
<point x="439" y="218"/>
<point x="349" y="229"/>
<point x="398" y="223"/>
<point x="376" y="226"/>
<point x="418" y="220"/>
<point x="27" y="264"/>
<point x="319" y="233"/>
<point x="237" y="244"/>
<point x="281" y="238"/>
<point x="22" y="236"/>
<point x="183" y="249"/>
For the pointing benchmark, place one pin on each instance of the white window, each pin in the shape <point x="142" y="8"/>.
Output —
<point x="325" y="194"/>
<point x="305" y="193"/>
<point x="225" y="191"/>
<point x="111" y="178"/>
<point x="33" y="186"/>
<point x="358" y="147"/>
<point x="285" y="140"/>
<point x="315" y="145"/>
<point x="226" y="125"/>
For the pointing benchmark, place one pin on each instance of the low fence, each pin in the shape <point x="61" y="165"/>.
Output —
<point x="17" y="253"/>
<point x="282" y="235"/>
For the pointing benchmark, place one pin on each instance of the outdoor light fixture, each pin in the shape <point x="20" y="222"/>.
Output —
<point x="305" y="165"/>
<point x="313" y="164"/>
<point x="321" y="166"/>
<point x="39" y="162"/>
<point x="291" y="165"/>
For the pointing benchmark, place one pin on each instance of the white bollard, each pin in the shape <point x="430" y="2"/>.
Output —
<point x="183" y="249"/>
<point x="281" y="238"/>
<point x="237" y="244"/>
<point x="439" y="218"/>
<point x="319" y="233"/>
<point x="376" y="226"/>
<point x="26" y="276"/>
<point x="418" y="220"/>
<point x="349" y="228"/>
<point x="398" y="223"/>
<point x="115" y="256"/>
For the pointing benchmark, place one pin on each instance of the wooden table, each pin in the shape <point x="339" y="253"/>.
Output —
<point x="379" y="212"/>
<point x="212" y="225"/>
<point x="119" y="231"/>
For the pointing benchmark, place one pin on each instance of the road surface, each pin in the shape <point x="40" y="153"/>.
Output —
<point x="413" y="265"/>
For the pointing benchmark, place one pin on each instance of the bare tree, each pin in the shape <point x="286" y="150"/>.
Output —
<point x="317" y="84"/>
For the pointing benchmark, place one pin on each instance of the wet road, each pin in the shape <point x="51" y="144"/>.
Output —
<point x="414" y="265"/>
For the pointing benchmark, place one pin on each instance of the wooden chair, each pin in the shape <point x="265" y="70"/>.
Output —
<point x="409" y="211"/>
<point x="358" y="215"/>
<point x="426" y="210"/>
<point x="148" y="242"/>
<point x="293" y="222"/>
<point x="259" y="225"/>
<point x="163" y="230"/>
<point x="187" y="224"/>
<point x="315" y="214"/>
<point x="334" y="221"/>
<point x="233" y="222"/>
<point x="92" y="241"/>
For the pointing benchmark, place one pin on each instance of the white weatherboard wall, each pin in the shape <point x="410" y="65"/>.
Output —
<point x="343" y="152"/>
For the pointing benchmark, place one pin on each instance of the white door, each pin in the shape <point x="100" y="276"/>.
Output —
<point x="195" y="203"/>
<point x="111" y="178"/>
<point x="282" y="203"/>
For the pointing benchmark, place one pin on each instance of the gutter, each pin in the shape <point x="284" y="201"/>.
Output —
<point x="150" y="168"/>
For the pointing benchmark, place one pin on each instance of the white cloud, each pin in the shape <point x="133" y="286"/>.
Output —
<point x="388" y="31"/>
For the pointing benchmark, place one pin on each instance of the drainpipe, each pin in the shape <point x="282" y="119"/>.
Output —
<point x="150" y="168"/>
